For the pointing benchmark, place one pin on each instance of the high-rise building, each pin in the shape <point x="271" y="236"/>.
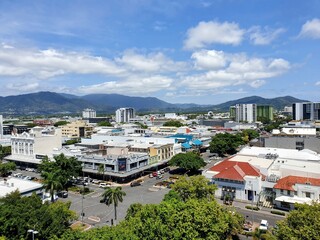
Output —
<point x="265" y="112"/>
<point x="246" y="113"/>
<point x="89" y="113"/>
<point x="306" y="111"/>
<point x="124" y="114"/>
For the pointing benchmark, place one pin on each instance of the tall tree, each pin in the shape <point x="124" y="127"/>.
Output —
<point x="5" y="168"/>
<point x="18" y="214"/>
<point x="67" y="167"/>
<point x="113" y="195"/>
<point x="52" y="183"/>
<point x="301" y="223"/>
<point x="196" y="187"/>
<point x="189" y="161"/>
<point x="223" y="143"/>
<point x="101" y="170"/>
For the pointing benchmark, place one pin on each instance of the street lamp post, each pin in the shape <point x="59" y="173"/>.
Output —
<point x="252" y="204"/>
<point x="34" y="232"/>
<point x="82" y="213"/>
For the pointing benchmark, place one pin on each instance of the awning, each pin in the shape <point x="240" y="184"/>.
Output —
<point x="293" y="199"/>
<point x="197" y="142"/>
<point x="186" y="145"/>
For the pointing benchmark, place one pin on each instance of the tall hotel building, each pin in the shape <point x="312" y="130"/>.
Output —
<point x="89" y="113"/>
<point x="124" y="114"/>
<point x="306" y="111"/>
<point x="246" y="113"/>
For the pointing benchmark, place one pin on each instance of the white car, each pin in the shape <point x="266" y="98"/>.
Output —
<point x="104" y="185"/>
<point x="264" y="225"/>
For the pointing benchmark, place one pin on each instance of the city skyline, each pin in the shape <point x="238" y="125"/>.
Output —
<point x="204" y="52"/>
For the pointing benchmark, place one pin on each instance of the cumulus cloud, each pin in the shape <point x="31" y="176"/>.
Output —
<point x="311" y="29"/>
<point x="153" y="62"/>
<point x="317" y="83"/>
<point x="265" y="36"/>
<point x="133" y="85"/>
<point x="237" y="69"/>
<point x="209" y="59"/>
<point x="206" y="33"/>
<point x="43" y="64"/>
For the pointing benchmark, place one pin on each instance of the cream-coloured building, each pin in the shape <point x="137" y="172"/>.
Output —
<point x="34" y="146"/>
<point x="76" y="129"/>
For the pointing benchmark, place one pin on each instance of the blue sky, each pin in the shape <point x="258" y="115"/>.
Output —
<point x="187" y="51"/>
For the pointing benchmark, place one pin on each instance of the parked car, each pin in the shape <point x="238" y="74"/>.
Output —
<point x="135" y="184"/>
<point x="62" y="194"/>
<point x="159" y="176"/>
<point x="150" y="175"/>
<point x="96" y="181"/>
<point x="264" y="225"/>
<point x="167" y="169"/>
<point x="104" y="185"/>
<point x="154" y="174"/>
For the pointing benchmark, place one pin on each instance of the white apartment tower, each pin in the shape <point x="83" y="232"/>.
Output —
<point x="89" y="113"/>
<point x="124" y="114"/>
<point x="246" y="113"/>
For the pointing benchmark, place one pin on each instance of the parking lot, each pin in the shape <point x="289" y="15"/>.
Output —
<point x="99" y="214"/>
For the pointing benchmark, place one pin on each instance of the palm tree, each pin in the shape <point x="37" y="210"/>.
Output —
<point x="113" y="195"/>
<point x="52" y="182"/>
<point x="101" y="170"/>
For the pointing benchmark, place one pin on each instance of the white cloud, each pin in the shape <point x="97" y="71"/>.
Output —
<point x="154" y="62"/>
<point x="311" y="29"/>
<point x="26" y="86"/>
<point x="134" y="85"/>
<point x="49" y="63"/>
<point x="264" y="36"/>
<point x="206" y="33"/>
<point x="257" y="83"/>
<point x="317" y="83"/>
<point x="209" y="59"/>
<point x="237" y="69"/>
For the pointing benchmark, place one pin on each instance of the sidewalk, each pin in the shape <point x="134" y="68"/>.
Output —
<point x="243" y="204"/>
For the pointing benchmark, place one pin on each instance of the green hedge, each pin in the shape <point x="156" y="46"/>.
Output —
<point x="252" y="208"/>
<point x="278" y="212"/>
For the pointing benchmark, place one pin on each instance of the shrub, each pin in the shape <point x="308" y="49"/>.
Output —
<point x="252" y="208"/>
<point x="278" y="212"/>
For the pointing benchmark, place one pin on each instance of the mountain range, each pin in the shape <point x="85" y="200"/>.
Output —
<point x="46" y="103"/>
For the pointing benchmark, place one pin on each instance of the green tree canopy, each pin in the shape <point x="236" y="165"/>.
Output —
<point x="252" y="134"/>
<point x="104" y="124"/>
<point x="173" y="123"/>
<point x="5" y="168"/>
<point x="4" y="151"/>
<point x="301" y="223"/>
<point x="60" y="123"/>
<point x="226" y="143"/>
<point x="196" y="187"/>
<point x="189" y="161"/>
<point x="18" y="214"/>
<point x="66" y="168"/>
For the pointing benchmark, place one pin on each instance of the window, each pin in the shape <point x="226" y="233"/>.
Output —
<point x="308" y="194"/>
<point x="281" y="191"/>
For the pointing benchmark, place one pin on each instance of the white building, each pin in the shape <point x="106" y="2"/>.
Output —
<point x="123" y="115"/>
<point x="246" y="113"/>
<point x="306" y="111"/>
<point x="25" y="187"/>
<point x="89" y="113"/>
<point x="293" y="189"/>
<point x="34" y="146"/>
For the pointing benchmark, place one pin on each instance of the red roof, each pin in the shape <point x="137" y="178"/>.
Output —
<point x="288" y="182"/>
<point x="235" y="170"/>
